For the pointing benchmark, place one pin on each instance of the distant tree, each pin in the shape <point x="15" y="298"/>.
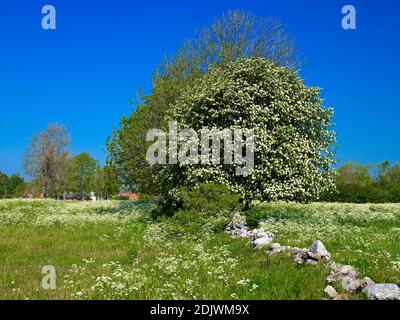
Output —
<point x="11" y="187"/>
<point x="356" y="183"/>
<point x="83" y="172"/>
<point x="107" y="183"/>
<point x="356" y="174"/>
<point x="394" y="174"/>
<point x="3" y="185"/>
<point x="388" y="175"/>
<point x="46" y="159"/>
<point x="15" y="186"/>
<point x="99" y="183"/>
<point x="230" y="37"/>
<point x="127" y="148"/>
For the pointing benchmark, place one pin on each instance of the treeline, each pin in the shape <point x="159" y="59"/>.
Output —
<point x="54" y="172"/>
<point x="11" y="186"/>
<point x="356" y="183"/>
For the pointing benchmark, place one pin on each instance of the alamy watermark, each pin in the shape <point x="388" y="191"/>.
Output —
<point x="349" y="21"/>
<point x="49" y="20"/>
<point x="206" y="147"/>
<point x="49" y="280"/>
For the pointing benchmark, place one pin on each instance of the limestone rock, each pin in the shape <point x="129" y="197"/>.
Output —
<point x="262" y="242"/>
<point x="274" y="246"/>
<point x="349" y="283"/>
<point x="260" y="235"/>
<point x="319" y="249"/>
<point x="331" y="292"/>
<point x="239" y="229"/>
<point x="331" y="279"/>
<point x="383" y="292"/>
<point x="341" y="297"/>
<point x="363" y="283"/>
<point x="348" y="271"/>
<point x="240" y="233"/>
<point x="348" y="277"/>
<point x="314" y="256"/>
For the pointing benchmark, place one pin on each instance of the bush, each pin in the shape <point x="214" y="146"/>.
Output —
<point x="207" y="206"/>
<point x="254" y="216"/>
<point x="210" y="198"/>
<point x="277" y="210"/>
<point x="357" y="183"/>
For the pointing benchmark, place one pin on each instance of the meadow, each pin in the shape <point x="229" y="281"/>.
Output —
<point x="115" y="250"/>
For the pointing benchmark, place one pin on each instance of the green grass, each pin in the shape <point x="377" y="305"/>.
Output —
<point x="111" y="250"/>
<point x="366" y="236"/>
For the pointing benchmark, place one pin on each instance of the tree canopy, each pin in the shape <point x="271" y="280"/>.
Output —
<point x="230" y="37"/>
<point x="293" y="137"/>
<point x="82" y="172"/>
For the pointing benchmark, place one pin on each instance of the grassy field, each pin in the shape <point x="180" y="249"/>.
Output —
<point x="113" y="250"/>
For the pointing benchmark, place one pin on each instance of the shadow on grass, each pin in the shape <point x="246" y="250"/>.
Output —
<point x="126" y="207"/>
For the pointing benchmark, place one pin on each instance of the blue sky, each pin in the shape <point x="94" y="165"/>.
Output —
<point x="84" y="73"/>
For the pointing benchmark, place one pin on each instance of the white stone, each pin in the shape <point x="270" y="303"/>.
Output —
<point x="262" y="242"/>
<point x="314" y="256"/>
<point x="346" y="270"/>
<point x="298" y="260"/>
<point x="334" y="266"/>
<point x="319" y="248"/>
<point x="331" y="278"/>
<point x="274" y="246"/>
<point x="349" y="284"/>
<point x="383" y="292"/>
<point x="331" y="292"/>
<point x="259" y="235"/>
<point x="362" y="283"/>
<point x="240" y="233"/>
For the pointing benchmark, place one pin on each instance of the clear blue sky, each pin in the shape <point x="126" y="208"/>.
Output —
<point x="84" y="73"/>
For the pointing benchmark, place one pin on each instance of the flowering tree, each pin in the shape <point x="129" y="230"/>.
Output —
<point x="292" y="131"/>
<point x="232" y="36"/>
